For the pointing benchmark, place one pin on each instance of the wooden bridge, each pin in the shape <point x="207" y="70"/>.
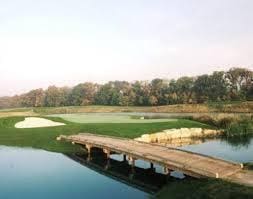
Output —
<point x="172" y="159"/>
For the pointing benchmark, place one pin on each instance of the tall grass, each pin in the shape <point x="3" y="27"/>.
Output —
<point x="231" y="124"/>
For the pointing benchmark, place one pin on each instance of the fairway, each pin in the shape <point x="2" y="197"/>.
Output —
<point x="89" y="118"/>
<point x="45" y="138"/>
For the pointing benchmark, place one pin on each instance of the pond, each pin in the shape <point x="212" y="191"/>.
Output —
<point x="233" y="149"/>
<point x="30" y="173"/>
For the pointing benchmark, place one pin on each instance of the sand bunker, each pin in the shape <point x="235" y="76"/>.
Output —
<point x="36" y="122"/>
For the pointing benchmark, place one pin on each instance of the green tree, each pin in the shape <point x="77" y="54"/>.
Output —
<point x="56" y="96"/>
<point x="240" y="80"/>
<point x="83" y="94"/>
<point x="158" y="90"/>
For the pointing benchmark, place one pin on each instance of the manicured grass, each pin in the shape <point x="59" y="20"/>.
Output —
<point x="45" y="138"/>
<point x="89" y="118"/>
<point x="207" y="188"/>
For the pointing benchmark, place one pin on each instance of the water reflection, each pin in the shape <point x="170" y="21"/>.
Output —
<point x="239" y="141"/>
<point x="237" y="149"/>
<point x="29" y="173"/>
<point x="142" y="176"/>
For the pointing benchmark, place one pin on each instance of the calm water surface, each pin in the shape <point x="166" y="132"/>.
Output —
<point x="29" y="173"/>
<point x="233" y="149"/>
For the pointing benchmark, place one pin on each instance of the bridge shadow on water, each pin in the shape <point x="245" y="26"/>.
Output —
<point x="149" y="179"/>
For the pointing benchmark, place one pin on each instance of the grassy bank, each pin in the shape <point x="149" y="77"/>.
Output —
<point x="208" y="189"/>
<point x="233" y="124"/>
<point x="45" y="138"/>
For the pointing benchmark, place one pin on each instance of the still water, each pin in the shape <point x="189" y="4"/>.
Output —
<point x="29" y="173"/>
<point x="233" y="149"/>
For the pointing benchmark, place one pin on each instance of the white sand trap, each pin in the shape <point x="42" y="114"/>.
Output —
<point x="36" y="122"/>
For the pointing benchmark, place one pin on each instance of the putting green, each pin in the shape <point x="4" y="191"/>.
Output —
<point x="108" y="118"/>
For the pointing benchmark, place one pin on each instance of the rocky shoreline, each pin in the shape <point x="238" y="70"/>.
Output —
<point x="178" y="134"/>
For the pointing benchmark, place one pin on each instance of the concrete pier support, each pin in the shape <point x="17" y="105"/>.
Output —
<point x="107" y="152"/>
<point x="89" y="157"/>
<point x="108" y="164"/>
<point x="131" y="174"/>
<point x="166" y="171"/>
<point x="124" y="158"/>
<point x="131" y="161"/>
<point x="152" y="166"/>
<point x="88" y="147"/>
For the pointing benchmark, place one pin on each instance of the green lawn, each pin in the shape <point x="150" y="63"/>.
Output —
<point x="45" y="138"/>
<point x="89" y="118"/>
<point x="205" y="189"/>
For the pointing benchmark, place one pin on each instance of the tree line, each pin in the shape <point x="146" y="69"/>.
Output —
<point x="232" y="85"/>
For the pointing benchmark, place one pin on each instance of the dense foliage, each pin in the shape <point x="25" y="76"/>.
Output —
<point x="233" y="85"/>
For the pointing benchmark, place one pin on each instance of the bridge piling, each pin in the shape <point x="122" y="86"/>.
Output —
<point x="124" y="158"/>
<point x="166" y="171"/>
<point x="88" y="147"/>
<point x="189" y="163"/>
<point x="131" y="161"/>
<point x="107" y="152"/>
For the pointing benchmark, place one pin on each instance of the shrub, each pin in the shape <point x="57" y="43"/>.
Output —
<point x="241" y="127"/>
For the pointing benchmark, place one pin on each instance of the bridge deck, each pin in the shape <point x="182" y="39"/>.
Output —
<point x="192" y="164"/>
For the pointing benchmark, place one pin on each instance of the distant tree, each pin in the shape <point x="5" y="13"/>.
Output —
<point x="158" y="90"/>
<point x="83" y="94"/>
<point x="240" y="79"/>
<point x="184" y="90"/>
<point x="56" y="96"/>
<point x="218" y="89"/>
<point x="235" y="84"/>
<point x="34" y="98"/>
<point x="202" y="88"/>
<point x="103" y="96"/>
<point x="153" y="100"/>
<point x="171" y="96"/>
<point x="142" y="92"/>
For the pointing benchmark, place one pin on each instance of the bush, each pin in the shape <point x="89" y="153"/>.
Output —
<point x="232" y="124"/>
<point x="241" y="127"/>
<point x="225" y="122"/>
<point x="205" y="119"/>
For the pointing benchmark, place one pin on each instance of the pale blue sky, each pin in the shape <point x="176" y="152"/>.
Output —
<point x="65" y="42"/>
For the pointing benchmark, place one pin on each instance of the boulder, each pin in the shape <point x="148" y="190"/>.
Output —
<point x="161" y="137"/>
<point x="210" y="132"/>
<point x="153" y="138"/>
<point x="196" y="132"/>
<point x="146" y="138"/>
<point x="185" y="133"/>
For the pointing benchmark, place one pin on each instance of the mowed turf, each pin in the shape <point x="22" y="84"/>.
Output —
<point x="110" y="118"/>
<point x="45" y="138"/>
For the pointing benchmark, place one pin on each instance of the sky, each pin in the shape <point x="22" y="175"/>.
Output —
<point x="66" y="42"/>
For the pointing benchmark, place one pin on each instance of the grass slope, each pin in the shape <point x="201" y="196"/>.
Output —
<point x="109" y="118"/>
<point x="45" y="138"/>
<point x="207" y="188"/>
